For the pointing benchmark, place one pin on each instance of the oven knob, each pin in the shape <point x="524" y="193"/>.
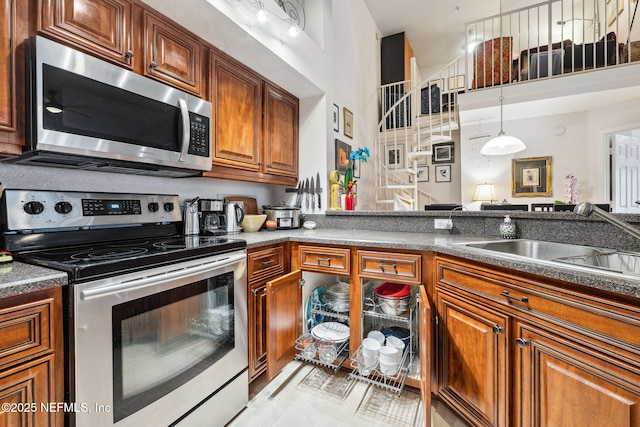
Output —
<point x="168" y="206"/>
<point x="153" y="207"/>
<point x="33" y="208"/>
<point x="63" y="207"/>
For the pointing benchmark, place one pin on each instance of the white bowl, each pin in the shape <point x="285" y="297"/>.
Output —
<point x="309" y="225"/>
<point x="377" y="335"/>
<point x="388" y="369"/>
<point x="396" y="343"/>
<point x="370" y="347"/>
<point x="388" y="354"/>
<point x="252" y="223"/>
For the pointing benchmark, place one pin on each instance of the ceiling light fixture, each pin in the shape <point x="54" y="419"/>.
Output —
<point x="293" y="30"/>
<point x="262" y="15"/>
<point x="502" y="144"/>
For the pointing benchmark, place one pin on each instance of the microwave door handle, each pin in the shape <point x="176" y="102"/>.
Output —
<point x="186" y="131"/>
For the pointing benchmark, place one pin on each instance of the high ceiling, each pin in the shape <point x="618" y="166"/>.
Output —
<point x="436" y="28"/>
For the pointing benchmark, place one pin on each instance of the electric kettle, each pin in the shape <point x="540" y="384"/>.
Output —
<point x="235" y="215"/>
<point x="191" y="224"/>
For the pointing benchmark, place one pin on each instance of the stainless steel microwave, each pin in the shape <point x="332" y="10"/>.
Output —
<point x="83" y="112"/>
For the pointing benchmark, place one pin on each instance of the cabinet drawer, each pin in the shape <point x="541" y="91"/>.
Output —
<point x="325" y="260"/>
<point x="584" y="313"/>
<point x="24" y="331"/>
<point x="265" y="263"/>
<point x="404" y="268"/>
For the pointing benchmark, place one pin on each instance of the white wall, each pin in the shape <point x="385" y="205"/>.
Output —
<point x="578" y="150"/>
<point x="335" y="61"/>
<point x="356" y="76"/>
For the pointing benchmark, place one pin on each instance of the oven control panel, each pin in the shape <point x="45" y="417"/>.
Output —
<point x="43" y="209"/>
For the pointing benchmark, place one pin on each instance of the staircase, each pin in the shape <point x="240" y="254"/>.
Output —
<point x="416" y="114"/>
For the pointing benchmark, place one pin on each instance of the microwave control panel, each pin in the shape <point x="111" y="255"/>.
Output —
<point x="200" y="135"/>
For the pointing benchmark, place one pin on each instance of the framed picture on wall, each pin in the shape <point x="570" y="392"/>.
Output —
<point x="443" y="173"/>
<point x="342" y="155"/>
<point x="531" y="177"/>
<point x="423" y="174"/>
<point x="336" y="118"/>
<point x="442" y="153"/>
<point x="348" y="123"/>
<point x="395" y="156"/>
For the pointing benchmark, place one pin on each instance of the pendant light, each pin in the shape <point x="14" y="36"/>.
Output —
<point x="502" y="144"/>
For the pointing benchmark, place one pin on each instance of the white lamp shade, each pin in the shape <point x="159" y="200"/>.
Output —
<point x="485" y="192"/>
<point x="502" y="144"/>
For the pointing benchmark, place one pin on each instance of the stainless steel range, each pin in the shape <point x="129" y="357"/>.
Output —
<point x="155" y="322"/>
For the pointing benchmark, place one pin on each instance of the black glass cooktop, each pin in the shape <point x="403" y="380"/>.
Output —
<point x="88" y="262"/>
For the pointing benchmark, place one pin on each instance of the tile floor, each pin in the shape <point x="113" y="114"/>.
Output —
<point x="310" y="396"/>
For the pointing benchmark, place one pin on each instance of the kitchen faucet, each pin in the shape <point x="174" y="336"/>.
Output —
<point x="586" y="209"/>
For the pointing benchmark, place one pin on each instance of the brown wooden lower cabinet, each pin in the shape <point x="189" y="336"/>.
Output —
<point x="24" y="390"/>
<point x="474" y="367"/>
<point x="509" y="355"/>
<point x="561" y="383"/>
<point x="257" y="330"/>
<point x="31" y="354"/>
<point x="284" y="320"/>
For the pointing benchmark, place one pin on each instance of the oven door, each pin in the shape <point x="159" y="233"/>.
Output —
<point x="151" y="346"/>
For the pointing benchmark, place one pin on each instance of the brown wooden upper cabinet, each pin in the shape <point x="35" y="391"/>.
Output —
<point x="236" y="94"/>
<point x="128" y="34"/>
<point x="280" y="132"/>
<point x="102" y="27"/>
<point x="13" y="31"/>
<point x="256" y="126"/>
<point x="171" y="55"/>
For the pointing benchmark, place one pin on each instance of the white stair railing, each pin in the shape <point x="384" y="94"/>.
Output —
<point x="405" y="135"/>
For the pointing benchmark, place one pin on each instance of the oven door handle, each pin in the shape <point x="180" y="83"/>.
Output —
<point x="152" y="280"/>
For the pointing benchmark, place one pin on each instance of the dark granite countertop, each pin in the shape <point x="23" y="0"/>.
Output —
<point x="23" y="278"/>
<point x="450" y="244"/>
<point x="18" y="278"/>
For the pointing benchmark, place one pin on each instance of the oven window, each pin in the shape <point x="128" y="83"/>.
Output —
<point x="162" y="341"/>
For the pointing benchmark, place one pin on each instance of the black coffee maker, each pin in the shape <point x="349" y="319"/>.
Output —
<point x="212" y="218"/>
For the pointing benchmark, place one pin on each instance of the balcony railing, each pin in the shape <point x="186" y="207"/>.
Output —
<point x="550" y="39"/>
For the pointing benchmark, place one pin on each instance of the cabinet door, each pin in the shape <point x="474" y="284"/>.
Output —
<point x="280" y="132"/>
<point x="171" y="55"/>
<point x="23" y="391"/>
<point x="257" y="330"/>
<point x="561" y="383"/>
<point x="473" y="365"/>
<point x="14" y="14"/>
<point x="426" y="351"/>
<point x="103" y="27"/>
<point x="284" y="320"/>
<point x="237" y="100"/>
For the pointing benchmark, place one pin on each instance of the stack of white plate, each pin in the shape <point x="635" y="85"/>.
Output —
<point x="334" y="331"/>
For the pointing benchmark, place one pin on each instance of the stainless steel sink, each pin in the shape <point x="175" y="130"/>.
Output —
<point x="536" y="249"/>
<point x="621" y="262"/>
<point x="609" y="260"/>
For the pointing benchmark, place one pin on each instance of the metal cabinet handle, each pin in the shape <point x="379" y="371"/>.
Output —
<point x="497" y="329"/>
<point x="260" y="163"/>
<point x="522" y="343"/>
<point x="269" y="165"/>
<point x="257" y="291"/>
<point x="153" y="64"/>
<point x="267" y="262"/>
<point x="128" y="54"/>
<point x="327" y="260"/>
<point x="521" y="299"/>
<point x="392" y="266"/>
<point x="301" y="283"/>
